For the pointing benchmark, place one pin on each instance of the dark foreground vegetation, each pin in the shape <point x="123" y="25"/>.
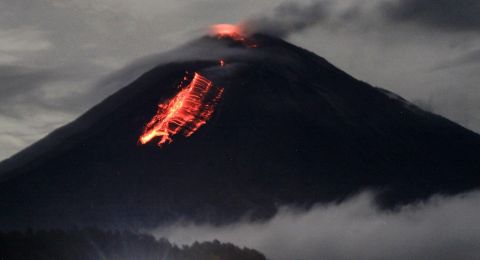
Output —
<point x="92" y="244"/>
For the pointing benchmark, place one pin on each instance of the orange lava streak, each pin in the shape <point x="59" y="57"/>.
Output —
<point x="185" y="112"/>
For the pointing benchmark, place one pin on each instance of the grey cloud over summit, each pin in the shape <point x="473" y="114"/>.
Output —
<point x="290" y="17"/>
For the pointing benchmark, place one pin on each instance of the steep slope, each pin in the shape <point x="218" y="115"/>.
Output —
<point x="289" y="128"/>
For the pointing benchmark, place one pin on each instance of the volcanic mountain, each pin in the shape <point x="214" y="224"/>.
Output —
<point x="269" y="124"/>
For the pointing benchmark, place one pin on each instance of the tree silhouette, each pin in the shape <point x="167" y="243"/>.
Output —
<point x="93" y="244"/>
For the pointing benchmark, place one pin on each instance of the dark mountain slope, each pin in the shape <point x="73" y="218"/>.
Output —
<point x="290" y="128"/>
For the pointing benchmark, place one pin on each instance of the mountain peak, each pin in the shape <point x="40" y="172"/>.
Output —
<point x="286" y="120"/>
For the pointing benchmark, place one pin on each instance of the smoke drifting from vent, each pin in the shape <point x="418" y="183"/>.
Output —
<point x="288" y="18"/>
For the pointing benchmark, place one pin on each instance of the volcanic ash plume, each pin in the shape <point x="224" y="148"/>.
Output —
<point x="289" y="18"/>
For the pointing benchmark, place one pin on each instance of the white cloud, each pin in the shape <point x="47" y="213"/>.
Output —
<point x="441" y="228"/>
<point x="7" y="59"/>
<point x="18" y="43"/>
<point x="27" y="126"/>
<point x="23" y="40"/>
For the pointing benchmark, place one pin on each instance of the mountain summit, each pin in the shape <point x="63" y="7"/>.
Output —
<point x="287" y="128"/>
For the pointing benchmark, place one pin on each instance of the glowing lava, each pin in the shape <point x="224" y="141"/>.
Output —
<point x="185" y="113"/>
<point x="233" y="31"/>
<point x="228" y="31"/>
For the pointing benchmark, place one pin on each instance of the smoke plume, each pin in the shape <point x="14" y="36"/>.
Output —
<point x="288" y="18"/>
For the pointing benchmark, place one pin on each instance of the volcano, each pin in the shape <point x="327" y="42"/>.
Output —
<point x="287" y="128"/>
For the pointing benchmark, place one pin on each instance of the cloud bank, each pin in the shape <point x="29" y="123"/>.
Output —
<point x="441" y="228"/>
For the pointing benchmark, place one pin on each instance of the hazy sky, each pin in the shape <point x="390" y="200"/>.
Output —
<point x="54" y="53"/>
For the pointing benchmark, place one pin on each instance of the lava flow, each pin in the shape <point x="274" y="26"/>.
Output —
<point x="187" y="111"/>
